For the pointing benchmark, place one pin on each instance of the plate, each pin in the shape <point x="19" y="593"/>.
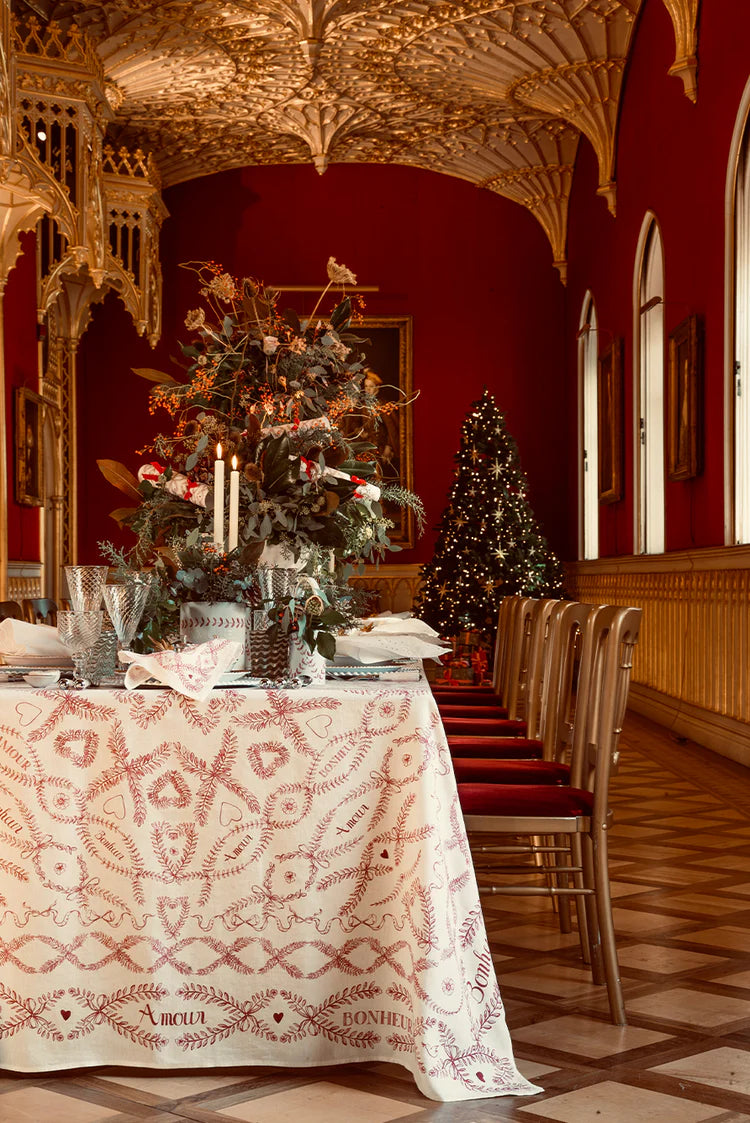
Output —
<point x="30" y="662"/>
<point x="229" y="678"/>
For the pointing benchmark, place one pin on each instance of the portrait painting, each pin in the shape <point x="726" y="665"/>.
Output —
<point x="684" y="390"/>
<point x="388" y="376"/>
<point x="28" y="448"/>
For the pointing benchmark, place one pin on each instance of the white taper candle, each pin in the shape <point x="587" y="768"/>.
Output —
<point x="219" y="500"/>
<point x="234" y="507"/>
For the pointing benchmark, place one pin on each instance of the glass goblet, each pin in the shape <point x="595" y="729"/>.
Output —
<point x="79" y="632"/>
<point x="85" y="584"/>
<point x="125" y="605"/>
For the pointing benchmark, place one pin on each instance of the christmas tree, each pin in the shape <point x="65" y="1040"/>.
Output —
<point x="489" y="545"/>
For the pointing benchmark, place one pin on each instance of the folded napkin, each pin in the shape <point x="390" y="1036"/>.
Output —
<point x="193" y="672"/>
<point x="18" y="638"/>
<point x="397" y="623"/>
<point x="372" y="647"/>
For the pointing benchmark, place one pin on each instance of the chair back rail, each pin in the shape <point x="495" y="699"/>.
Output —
<point x="39" y="610"/>
<point x="10" y="610"/>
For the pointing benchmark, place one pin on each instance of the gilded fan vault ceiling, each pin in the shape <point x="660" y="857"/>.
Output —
<point x="495" y="93"/>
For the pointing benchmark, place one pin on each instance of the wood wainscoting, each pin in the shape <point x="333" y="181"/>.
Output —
<point x="395" y="585"/>
<point x="692" y="665"/>
<point x="24" y="580"/>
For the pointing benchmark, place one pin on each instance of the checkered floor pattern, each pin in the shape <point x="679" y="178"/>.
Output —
<point x="680" y="866"/>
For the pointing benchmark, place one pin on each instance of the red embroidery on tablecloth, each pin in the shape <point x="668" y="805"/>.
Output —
<point x="78" y="746"/>
<point x="130" y="768"/>
<point x="169" y="790"/>
<point x="321" y="1017"/>
<point x="215" y="774"/>
<point x="174" y="845"/>
<point x="109" y="1009"/>
<point x="28" y="1013"/>
<point x="267" y="757"/>
<point x="283" y="710"/>
<point x="239" y="1016"/>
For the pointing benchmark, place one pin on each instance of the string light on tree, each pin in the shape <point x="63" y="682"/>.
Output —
<point x="489" y="545"/>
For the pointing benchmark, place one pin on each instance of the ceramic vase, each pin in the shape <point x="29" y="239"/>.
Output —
<point x="200" y="622"/>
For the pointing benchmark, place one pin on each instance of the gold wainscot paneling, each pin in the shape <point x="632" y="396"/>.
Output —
<point x="395" y="586"/>
<point x="691" y="668"/>
<point x="24" y="580"/>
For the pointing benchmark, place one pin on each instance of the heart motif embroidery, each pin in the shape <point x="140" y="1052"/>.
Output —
<point x="320" y="724"/>
<point x="65" y="1014"/>
<point x="267" y="758"/>
<point x="480" y="1076"/>
<point x="174" y="844"/>
<point x="172" y="914"/>
<point x="384" y="854"/>
<point x="78" y="746"/>
<point x="277" y="1017"/>
<point x="229" y="813"/>
<point x="115" y="805"/>
<point x="27" y="712"/>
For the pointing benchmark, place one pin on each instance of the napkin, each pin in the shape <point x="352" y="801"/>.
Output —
<point x="371" y="647"/>
<point x="193" y="672"/>
<point x="398" y="623"/>
<point x="19" y="638"/>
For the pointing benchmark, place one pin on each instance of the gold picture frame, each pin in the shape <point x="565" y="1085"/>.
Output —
<point x="29" y="459"/>
<point x="388" y="357"/>
<point x="684" y="390"/>
<point x="610" y="422"/>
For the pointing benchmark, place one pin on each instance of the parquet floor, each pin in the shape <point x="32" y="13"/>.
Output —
<point x="681" y="876"/>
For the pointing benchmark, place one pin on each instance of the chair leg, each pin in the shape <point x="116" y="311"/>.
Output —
<point x="592" y="917"/>
<point x="576" y="853"/>
<point x="563" y="881"/>
<point x="607" y="928"/>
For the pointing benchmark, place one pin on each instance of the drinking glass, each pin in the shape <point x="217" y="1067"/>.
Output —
<point x="85" y="584"/>
<point x="125" y="605"/>
<point x="79" y="632"/>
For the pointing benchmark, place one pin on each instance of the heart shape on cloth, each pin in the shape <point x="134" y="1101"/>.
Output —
<point x="65" y="1014"/>
<point x="267" y="758"/>
<point x="27" y="712"/>
<point x="174" y="845"/>
<point x="169" y="790"/>
<point x="320" y="724"/>
<point x="229" y="813"/>
<point x="277" y="1017"/>
<point x="78" y="746"/>
<point x="172" y="912"/>
<point x="384" y="854"/>
<point x="115" y="805"/>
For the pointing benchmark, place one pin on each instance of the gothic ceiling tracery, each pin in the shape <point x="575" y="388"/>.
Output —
<point x="498" y="93"/>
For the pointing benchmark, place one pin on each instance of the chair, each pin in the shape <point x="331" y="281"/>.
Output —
<point x="491" y="695"/>
<point x="522" y="682"/>
<point x="40" y="610"/>
<point x="10" y="610"/>
<point x="578" y="812"/>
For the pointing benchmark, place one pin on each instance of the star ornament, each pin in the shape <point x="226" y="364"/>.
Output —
<point x="500" y="553"/>
<point x="497" y="469"/>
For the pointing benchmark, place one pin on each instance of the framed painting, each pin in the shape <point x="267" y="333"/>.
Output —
<point x="388" y="351"/>
<point x="610" y="422"/>
<point x="28" y="448"/>
<point x="684" y="391"/>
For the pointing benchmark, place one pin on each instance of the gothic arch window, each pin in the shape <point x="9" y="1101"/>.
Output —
<point x="649" y="351"/>
<point x="737" y="332"/>
<point x="589" y="437"/>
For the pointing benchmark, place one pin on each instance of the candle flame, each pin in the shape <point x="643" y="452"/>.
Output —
<point x="218" y="451"/>
<point x="234" y="463"/>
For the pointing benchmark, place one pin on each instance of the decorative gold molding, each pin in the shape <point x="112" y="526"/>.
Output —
<point x="684" y="15"/>
<point x="694" y="649"/>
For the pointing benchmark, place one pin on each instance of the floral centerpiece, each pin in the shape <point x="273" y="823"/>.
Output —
<point x="283" y="400"/>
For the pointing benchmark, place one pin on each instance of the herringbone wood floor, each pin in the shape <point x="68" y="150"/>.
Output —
<point x="681" y="877"/>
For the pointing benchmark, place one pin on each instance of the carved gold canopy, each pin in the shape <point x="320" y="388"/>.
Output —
<point x="495" y="93"/>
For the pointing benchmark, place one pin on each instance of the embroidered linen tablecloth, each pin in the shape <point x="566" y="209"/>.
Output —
<point x="265" y="877"/>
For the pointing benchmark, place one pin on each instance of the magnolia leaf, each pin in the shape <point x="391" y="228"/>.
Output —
<point x="326" y="645"/>
<point x="155" y="376"/>
<point x="120" y="477"/>
<point x="191" y="461"/>
<point x="122" y="514"/>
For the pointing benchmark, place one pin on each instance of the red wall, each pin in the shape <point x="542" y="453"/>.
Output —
<point x="672" y="159"/>
<point x="19" y="318"/>
<point x="472" y="269"/>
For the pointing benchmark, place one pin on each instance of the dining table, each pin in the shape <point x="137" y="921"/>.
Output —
<point x="266" y="877"/>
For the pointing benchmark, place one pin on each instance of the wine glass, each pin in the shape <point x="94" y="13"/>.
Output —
<point x="125" y="605"/>
<point x="79" y="632"/>
<point x="85" y="584"/>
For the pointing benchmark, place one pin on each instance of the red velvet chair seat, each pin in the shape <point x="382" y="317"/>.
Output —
<point x="481" y="712"/>
<point x="483" y="727"/>
<point x="534" y="800"/>
<point x="497" y="748"/>
<point x="481" y="770"/>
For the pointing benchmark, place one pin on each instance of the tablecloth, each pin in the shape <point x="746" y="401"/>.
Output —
<point x="266" y="877"/>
